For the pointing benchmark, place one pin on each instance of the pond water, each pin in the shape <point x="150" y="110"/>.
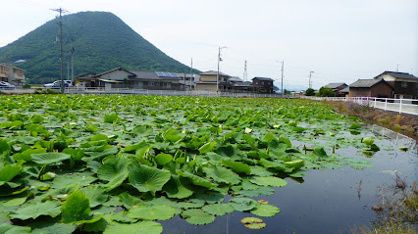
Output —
<point x="327" y="201"/>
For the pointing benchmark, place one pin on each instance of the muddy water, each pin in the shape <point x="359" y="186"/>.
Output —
<point x="328" y="201"/>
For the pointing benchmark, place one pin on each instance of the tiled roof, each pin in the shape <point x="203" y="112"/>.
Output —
<point x="365" y="83"/>
<point x="402" y="75"/>
<point x="334" y="85"/>
<point x="263" y="78"/>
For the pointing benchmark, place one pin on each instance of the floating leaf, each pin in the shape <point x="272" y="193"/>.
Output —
<point x="242" y="203"/>
<point x="269" y="181"/>
<point x="96" y="196"/>
<point x="265" y="210"/>
<point x="49" y="158"/>
<point x="148" y="179"/>
<point x="147" y="227"/>
<point x="157" y="212"/>
<point x="53" y="228"/>
<point x="218" y="209"/>
<point x="33" y="211"/>
<point x="197" y="217"/>
<point x="253" y="223"/>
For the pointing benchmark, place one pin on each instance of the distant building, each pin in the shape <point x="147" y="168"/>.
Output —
<point x="404" y="85"/>
<point x="208" y="81"/>
<point x="262" y="85"/>
<point x="123" y="78"/>
<point x="338" y="88"/>
<point x="12" y="74"/>
<point x="371" y="88"/>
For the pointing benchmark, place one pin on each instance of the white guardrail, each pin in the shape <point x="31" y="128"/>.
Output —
<point x="407" y="106"/>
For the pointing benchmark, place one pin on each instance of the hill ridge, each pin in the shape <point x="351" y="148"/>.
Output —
<point x="101" y="40"/>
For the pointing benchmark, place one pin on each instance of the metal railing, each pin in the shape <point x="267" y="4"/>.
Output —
<point x="407" y="106"/>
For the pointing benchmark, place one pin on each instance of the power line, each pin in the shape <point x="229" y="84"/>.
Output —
<point x="282" y="76"/>
<point x="219" y="61"/>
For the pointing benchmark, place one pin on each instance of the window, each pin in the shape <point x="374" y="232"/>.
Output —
<point x="404" y="84"/>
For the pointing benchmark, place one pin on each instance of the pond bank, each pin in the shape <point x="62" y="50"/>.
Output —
<point x="401" y="123"/>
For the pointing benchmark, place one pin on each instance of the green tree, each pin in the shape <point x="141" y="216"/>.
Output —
<point x="310" y="92"/>
<point x="326" y="92"/>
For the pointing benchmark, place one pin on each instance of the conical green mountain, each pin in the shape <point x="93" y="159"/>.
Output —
<point x="101" y="41"/>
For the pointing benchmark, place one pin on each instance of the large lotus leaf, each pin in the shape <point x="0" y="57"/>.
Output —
<point x="197" y="217"/>
<point x="53" y="228"/>
<point x="269" y="181"/>
<point x="265" y="210"/>
<point x="128" y="200"/>
<point x="96" y="196"/>
<point x="114" y="170"/>
<point x="49" y="158"/>
<point x="70" y="179"/>
<point x="218" y="209"/>
<point x="147" y="227"/>
<point x="34" y="210"/>
<point x="208" y="147"/>
<point x="156" y="212"/>
<point x="197" y="180"/>
<point x="177" y="188"/>
<point x="4" y="147"/>
<point x="7" y="228"/>
<point x="222" y="175"/>
<point x="75" y="208"/>
<point x="243" y="204"/>
<point x="8" y="172"/>
<point x="15" y="202"/>
<point x="163" y="159"/>
<point x="148" y="179"/>
<point x="173" y="135"/>
<point x="237" y="167"/>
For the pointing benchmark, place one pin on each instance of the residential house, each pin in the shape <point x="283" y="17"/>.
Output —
<point x="338" y="88"/>
<point x="371" y="88"/>
<point x="262" y="85"/>
<point x="236" y="84"/>
<point x="404" y="85"/>
<point x="208" y="81"/>
<point x="12" y="74"/>
<point x="123" y="78"/>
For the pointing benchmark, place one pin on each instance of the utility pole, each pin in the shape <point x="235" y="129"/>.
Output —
<point x="245" y="75"/>
<point x="310" y="79"/>
<point x="191" y="74"/>
<point x="61" y="11"/>
<point x="72" y="64"/>
<point x="219" y="61"/>
<point x="282" y="76"/>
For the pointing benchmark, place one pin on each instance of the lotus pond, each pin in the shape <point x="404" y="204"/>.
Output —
<point x="147" y="164"/>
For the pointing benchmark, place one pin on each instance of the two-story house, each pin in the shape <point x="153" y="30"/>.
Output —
<point x="12" y="74"/>
<point x="404" y="85"/>
<point x="263" y="84"/>
<point x="208" y="81"/>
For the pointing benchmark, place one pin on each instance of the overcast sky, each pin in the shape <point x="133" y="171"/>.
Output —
<point x="340" y="40"/>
